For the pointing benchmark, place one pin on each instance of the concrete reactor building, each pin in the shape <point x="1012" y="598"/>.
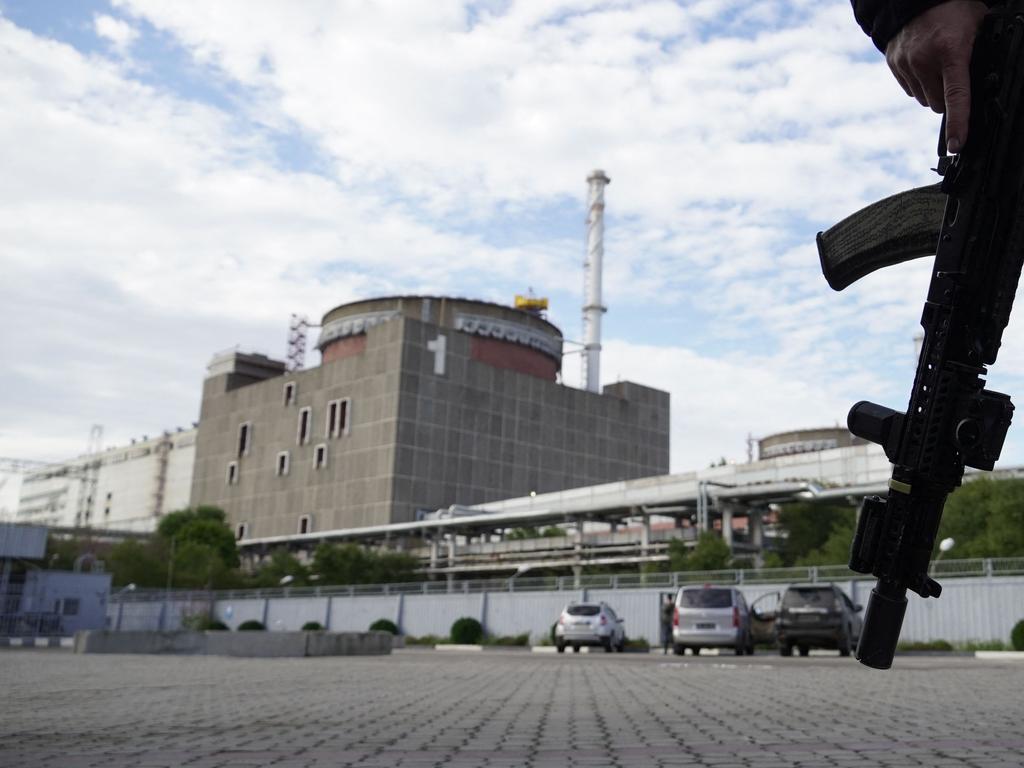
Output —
<point x="419" y="403"/>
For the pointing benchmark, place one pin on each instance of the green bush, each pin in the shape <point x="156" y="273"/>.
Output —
<point x="251" y="626"/>
<point x="202" y="622"/>
<point x="425" y="640"/>
<point x="467" y="631"/>
<point x="1017" y="636"/>
<point x="930" y="645"/>
<point x="384" y="625"/>
<point x="523" y="639"/>
<point x="982" y="645"/>
<point x="312" y="626"/>
<point x="638" y="644"/>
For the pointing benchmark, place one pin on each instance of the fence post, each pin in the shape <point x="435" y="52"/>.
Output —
<point x="120" y="612"/>
<point x="813" y="572"/>
<point x="266" y="610"/>
<point x="988" y="568"/>
<point x="483" y="612"/>
<point x="327" y="613"/>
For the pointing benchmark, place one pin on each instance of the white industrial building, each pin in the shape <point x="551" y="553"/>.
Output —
<point x="127" y="488"/>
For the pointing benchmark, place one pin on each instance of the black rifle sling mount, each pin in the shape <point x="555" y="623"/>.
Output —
<point x="974" y="224"/>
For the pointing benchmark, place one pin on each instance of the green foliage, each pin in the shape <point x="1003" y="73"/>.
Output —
<point x="281" y="563"/>
<point x="836" y="548"/>
<point x="466" y="631"/>
<point x="772" y="559"/>
<point x="516" y="640"/>
<point x="203" y="526"/>
<point x="353" y="564"/>
<point x="810" y="527"/>
<point x="203" y="622"/>
<point x="1017" y="636"/>
<point x="142" y="563"/>
<point x="710" y="554"/>
<point x="532" y="532"/>
<point x="929" y="645"/>
<point x="639" y="644"/>
<point x="384" y="625"/>
<point x="425" y="640"/>
<point x="251" y="626"/>
<point x="985" y="518"/>
<point x="982" y="645"/>
<point x="312" y="626"/>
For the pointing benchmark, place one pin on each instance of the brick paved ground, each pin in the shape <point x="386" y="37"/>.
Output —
<point x="424" y="708"/>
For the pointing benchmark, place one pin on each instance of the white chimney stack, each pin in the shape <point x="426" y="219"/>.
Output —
<point x="592" y="306"/>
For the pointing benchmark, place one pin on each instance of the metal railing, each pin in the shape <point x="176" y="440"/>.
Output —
<point x="1009" y="566"/>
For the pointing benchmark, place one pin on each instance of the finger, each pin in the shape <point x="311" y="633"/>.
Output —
<point x="956" y="86"/>
<point x="933" y="89"/>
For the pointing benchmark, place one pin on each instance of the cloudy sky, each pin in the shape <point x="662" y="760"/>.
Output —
<point x="178" y="177"/>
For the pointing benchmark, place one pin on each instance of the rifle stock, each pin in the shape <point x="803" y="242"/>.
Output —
<point x="952" y="421"/>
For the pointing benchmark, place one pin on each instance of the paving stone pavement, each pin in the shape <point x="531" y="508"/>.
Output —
<point x="423" y="708"/>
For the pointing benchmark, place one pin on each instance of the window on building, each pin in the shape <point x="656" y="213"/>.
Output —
<point x="338" y="414"/>
<point x="70" y="606"/>
<point x="241" y="531"/>
<point x="304" y="420"/>
<point x="282" y="463"/>
<point x="244" y="438"/>
<point x="320" y="456"/>
<point x="289" y="393"/>
<point x="232" y="477"/>
<point x="305" y="524"/>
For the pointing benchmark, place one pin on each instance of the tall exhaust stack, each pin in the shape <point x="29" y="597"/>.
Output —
<point x="592" y="306"/>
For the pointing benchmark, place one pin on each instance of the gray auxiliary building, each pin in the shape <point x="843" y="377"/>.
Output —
<point x="419" y="403"/>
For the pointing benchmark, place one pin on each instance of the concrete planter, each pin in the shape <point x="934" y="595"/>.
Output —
<point x="246" y="644"/>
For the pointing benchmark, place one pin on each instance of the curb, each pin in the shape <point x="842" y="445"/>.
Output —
<point x="1000" y="655"/>
<point x="481" y="648"/>
<point x="37" y="642"/>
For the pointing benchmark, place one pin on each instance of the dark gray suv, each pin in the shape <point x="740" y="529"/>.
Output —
<point x="817" y="616"/>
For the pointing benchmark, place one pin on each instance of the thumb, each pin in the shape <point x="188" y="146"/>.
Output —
<point x="956" y="88"/>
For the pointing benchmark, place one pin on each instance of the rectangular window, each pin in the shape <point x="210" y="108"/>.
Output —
<point x="320" y="456"/>
<point x="70" y="606"/>
<point x="244" y="438"/>
<point x="338" y="414"/>
<point x="232" y="477"/>
<point x="289" y="393"/>
<point x="241" y="531"/>
<point x="282" y="463"/>
<point x="305" y="524"/>
<point x="305" y="415"/>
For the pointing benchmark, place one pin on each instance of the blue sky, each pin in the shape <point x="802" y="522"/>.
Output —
<point x="181" y="176"/>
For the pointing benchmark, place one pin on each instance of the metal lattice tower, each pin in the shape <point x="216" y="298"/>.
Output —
<point x="89" y="479"/>
<point x="296" y="358"/>
<point x="592" y="267"/>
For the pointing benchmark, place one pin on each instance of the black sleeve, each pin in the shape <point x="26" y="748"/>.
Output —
<point x="882" y="19"/>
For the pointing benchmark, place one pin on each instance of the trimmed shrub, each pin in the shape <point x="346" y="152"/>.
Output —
<point x="216" y="626"/>
<point x="467" y="631"/>
<point x="925" y="645"/>
<point x="384" y="625"/>
<point x="523" y="639"/>
<point x="251" y="626"/>
<point x="312" y="626"/>
<point x="1017" y="636"/>
<point x="425" y="640"/>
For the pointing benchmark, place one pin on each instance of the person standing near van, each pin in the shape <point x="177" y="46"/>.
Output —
<point x="667" y="612"/>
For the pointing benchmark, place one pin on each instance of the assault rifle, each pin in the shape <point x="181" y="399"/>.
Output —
<point x="973" y="221"/>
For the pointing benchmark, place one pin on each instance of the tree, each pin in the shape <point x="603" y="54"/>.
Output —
<point x="986" y="518"/>
<point x="203" y="525"/>
<point x="836" y="548"/>
<point x="710" y="554"/>
<point x="808" y="527"/>
<point x="282" y="563"/>
<point x="142" y="563"/>
<point x="352" y="564"/>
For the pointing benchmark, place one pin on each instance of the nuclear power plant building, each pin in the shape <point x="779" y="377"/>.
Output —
<point x="419" y="403"/>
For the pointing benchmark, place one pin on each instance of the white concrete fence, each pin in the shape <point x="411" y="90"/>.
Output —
<point x="970" y="609"/>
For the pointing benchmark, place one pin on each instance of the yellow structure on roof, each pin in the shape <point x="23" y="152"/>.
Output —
<point x="531" y="303"/>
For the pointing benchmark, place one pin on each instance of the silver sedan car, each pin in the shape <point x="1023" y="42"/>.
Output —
<point x="589" y="624"/>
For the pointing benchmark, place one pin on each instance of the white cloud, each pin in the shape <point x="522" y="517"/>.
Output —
<point x="731" y="132"/>
<point x="120" y="34"/>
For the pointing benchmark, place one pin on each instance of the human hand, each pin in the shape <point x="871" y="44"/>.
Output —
<point x="931" y="59"/>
